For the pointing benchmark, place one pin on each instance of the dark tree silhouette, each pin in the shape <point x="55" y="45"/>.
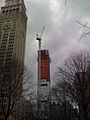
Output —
<point x="74" y="82"/>
<point x="15" y="83"/>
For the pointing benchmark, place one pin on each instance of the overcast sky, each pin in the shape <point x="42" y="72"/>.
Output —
<point x="61" y="30"/>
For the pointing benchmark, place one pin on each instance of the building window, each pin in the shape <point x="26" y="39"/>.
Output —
<point x="10" y="42"/>
<point x="11" y="39"/>
<point x="8" y="59"/>
<point x="5" y="34"/>
<point x="4" y="40"/>
<point x="10" y="45"/>
<point x="3" y="43"/>
<point x="12" y="32"/>
<point x="10" y="10"/>
<point x="12" y="36"/>
<point x="8" y="56"/>
<point x="6" y="10"/>
<point x="1" y="56"/>
<point x="3" y="46"/>
<point x="2" y="49"/>
<point x="8" y="21"/>
<point x="13" y="9"/>
<point x="10" y="48"/>
<point x="9" y="52"/>
<point x="3" y="12"/>
<point x="43" y="84"/>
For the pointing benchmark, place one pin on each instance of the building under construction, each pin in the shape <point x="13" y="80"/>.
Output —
<point x="43" y="84"/>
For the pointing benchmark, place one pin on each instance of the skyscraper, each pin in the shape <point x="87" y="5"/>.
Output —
<point x="13" y="24"/>
<point x="43" y="88"/>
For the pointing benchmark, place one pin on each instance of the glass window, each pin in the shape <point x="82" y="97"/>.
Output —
<point x="3" y="42"/>
<point x="10" y="48"/>
<point x="3" y="46"/>
<point x="11" y="39"/>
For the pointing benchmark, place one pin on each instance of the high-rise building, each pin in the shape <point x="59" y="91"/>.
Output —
<point x="13" y="24"/>
<point x="43" y="88"/>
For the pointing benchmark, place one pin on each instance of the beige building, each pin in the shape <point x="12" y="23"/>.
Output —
<point x="13" y="24"/>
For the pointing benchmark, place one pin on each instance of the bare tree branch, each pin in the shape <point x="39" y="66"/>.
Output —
<point x="74" y="83"/>
<point x="15" y="85"/>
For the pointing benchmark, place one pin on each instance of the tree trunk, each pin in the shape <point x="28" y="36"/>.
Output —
<point x="6" y="117"/>
<point x="85" y="114"/>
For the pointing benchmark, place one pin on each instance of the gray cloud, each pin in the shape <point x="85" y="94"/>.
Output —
<point x="61" y="30"/>
<point x="61" y="33"/>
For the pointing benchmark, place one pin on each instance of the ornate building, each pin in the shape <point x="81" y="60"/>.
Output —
<point x="13" y="24"/>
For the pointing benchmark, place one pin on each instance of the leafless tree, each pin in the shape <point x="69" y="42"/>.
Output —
<point x="86" y="29"/>
<point x="74" y="82"/>
<point x="15" y="83"/>
<point x="64" y="104"/>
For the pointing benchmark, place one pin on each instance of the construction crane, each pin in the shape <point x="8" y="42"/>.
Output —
<point x="39" y="37"/>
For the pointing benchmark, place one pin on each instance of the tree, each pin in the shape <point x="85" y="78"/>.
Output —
<point x="64" y="107"/>
<point x="86" y="29"/>
<point x="15" y="83"/>
<point x="74" y="82"/>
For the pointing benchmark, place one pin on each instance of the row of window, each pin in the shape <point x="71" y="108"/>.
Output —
<point x="14" y="20"/>
<point x="12" y="35"/>
<point x="4" y="95"/>
<point x="10" y="42"/>
<point x="7" y="28"/>
<point x="4" y="90"/>
<point x="3" y="46"/>
<point x="7" y="56"/>
<point x="3" y="49"/>
<point x="3" y="53"/>
<point x="9" y="11"/>
<point x="6" y="35"/>
<point x="7" y="59"/>
<point x="8" y="21"/>
<point x="6" y="31"/>
<point x="4" y="100"/>
<point x="4" y="42"/>
<point x="10" y="47"/>
<point x="2" y="56"/>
